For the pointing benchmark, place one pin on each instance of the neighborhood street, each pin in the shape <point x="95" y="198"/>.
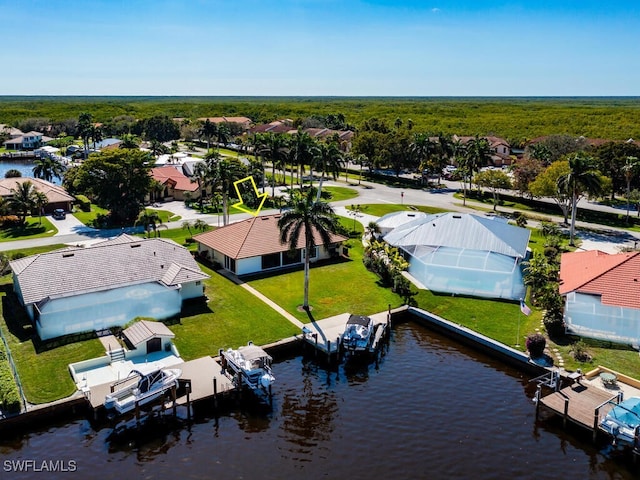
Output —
<point x="72" y="232"/>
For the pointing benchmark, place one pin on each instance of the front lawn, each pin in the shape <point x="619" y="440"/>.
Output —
<point x="88" y="218"/>
<point x="380" y="209"/>
<point x="34" y="227"/>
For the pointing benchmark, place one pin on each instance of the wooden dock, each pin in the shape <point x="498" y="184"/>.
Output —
<point x="579" y="403"/>
<point x="325" y="335"/>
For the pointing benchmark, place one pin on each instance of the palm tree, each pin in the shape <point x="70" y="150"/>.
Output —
<point x="478" y="154"/>
<point x="328" y="159"/>
<point x="225" y="171"/>
<point x="12" y="173"/>
<point x="301" y="147"/>
<point x="150" y="220"/>
<point x="208" y="130"/>
<point x="273" y="148"/>
<point x="96" y="135"/>
<point x="582" y="178"/>
<point x="202" y="173"/>
<point x="314" y="221"/>
<point x="23" y="199"/>
<point x="47" y="168"/>
<point x="187" y="225"/>
<point x="630" y="169"/>
<point x="41" y="200"/>
<point x="422" y="148"/>
<point x="128" y="140"/>
<point x="85" y="130"/>
<point x="200" y="225"/>
<point x="372" y="230"/>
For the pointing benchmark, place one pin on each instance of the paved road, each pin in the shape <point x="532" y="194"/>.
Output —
<point x="71" y="231"/>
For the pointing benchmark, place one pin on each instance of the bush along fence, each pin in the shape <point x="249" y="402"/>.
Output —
<point x="10" y="388"/>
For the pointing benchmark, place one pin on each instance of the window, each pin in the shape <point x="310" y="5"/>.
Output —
<point x="313" y="253"/>
<point x="198" y="283"/>
<point x="291" y="258"/>
<point x="230" y="264"/>
<point x="271" y="260"/>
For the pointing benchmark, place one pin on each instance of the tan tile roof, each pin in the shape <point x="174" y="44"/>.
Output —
<point x="615" y="277"/>
<point x="251" y="238"/>
<point x="144" y="330"/>
<point x="106" y="265"/>
<point x="54" y="193"/>
<point x="241" y="120"/>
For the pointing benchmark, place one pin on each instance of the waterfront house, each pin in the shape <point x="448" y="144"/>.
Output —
<point x="253" y="246"/>
<point x="105" y="285"/>
<point x="57" y="196"/>
<point x="26" y="141"/>
<point x="601" y="292"/>
<point x="465" y="254"/>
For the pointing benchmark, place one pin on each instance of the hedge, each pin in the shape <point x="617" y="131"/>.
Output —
<point x="84" y="203"/>
<point x="9" y="395"/>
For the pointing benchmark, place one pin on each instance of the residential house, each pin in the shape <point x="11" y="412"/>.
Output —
<point x="465" y="254"/>
<point x="500" y="149"/>
<point x="602" y="295"/>
<point x="253" y="246"/>
<point x="57" y="197"/>
<point x="244" y="122"/>
<point x="175" y="184"/>
<point x="27" y="141"/>
<point x="105" y="285"/>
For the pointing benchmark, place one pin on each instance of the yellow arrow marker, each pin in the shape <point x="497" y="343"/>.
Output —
<point x="240" y="205"/>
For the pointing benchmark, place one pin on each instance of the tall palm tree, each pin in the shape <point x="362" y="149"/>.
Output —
<point x="202" y="173"/>
<point x="422" y="149"/>
<point x="328" y="159"/>
<point x="301" y="147"/>
<point x="150" y="220"/>
<point x="85" y="130"/>
<point x="225" y="171"/>
<point x="208" y="130"/>
<point x="23" y="199"/>
<point x="478" y="154"/>
<point x="581" y="179"/>
<point x="129" y="140"/>
<point x="273" y="147"/>
<point x="312" y="220"/>
<point x="40" y="199"/>
<point x="630" y="169"/>
<point x="47" y="168"/>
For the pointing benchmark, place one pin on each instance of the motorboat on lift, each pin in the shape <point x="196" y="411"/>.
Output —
<point x="252" y="365"/>
<point x="623" y="423"/>
<point x="142" y="386"/>
<point x="359" y="334"/>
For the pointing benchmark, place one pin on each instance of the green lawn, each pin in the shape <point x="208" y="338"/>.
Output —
<point x="231" y="318"/>
<point x="88" y="217"/>
<point x="34" y="228"/>
<point x="327" y="293"/>
<point x="164" y="215"/>
<point x="341" y="193"/>
<point x="381" y="209"/>
<point x="44" y="375"/>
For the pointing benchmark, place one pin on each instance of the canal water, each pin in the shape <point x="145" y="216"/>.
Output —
<point x="23" y="166"/>
<point x="432" y="409"/>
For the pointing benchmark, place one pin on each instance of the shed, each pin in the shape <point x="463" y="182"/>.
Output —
<point x="147" y="337"/>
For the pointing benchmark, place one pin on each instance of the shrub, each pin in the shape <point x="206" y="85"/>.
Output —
<point x="536" y="344"/>
<point x="84" y="203"/>
<point x="9" y="394"/>
<point x="580" y="353"/>
<point x="10" y="221"/>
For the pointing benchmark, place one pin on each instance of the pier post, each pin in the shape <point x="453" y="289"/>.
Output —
<point x="215" y="393"/>
<point x="137" y="407"/>
<point x="538" y="398"/>
<point x="187" y="387"/>
<point x="566" y="413"/>
<point x="173" y="398"/>
<point x="596" y="418"/>
<point x="315" y="337"/>
<point x="329" y="351"/>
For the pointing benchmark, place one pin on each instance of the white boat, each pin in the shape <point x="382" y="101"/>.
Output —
<point x="623" y="422"/>
<point x="141" y="388"/>
<point x="358" y="335"/>
<point x="252" y="364"/>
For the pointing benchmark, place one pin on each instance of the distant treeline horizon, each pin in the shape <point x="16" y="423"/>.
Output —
<point x="516" y="119"/>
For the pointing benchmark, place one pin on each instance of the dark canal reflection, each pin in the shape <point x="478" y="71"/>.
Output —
<point x="433" y="409"/>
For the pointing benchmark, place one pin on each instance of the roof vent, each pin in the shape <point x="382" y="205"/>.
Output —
<point x="411" y="214"/>
<point x="456" y="216"/>
<point x="67" y="255"/>
<point x="135" y="245"/>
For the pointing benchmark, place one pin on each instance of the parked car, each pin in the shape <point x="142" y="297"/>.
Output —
<point x="59" y="214"/>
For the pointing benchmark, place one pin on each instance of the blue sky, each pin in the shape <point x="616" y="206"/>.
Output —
<point x="320" y="47"/>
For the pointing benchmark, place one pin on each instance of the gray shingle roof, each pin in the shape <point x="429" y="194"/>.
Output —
<point x="124" y="260"/>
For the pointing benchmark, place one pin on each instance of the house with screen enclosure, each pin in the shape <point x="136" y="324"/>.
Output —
<point x="601" y="294"/>
<point x="105" y="285"/>
<point x="464" y="254"/>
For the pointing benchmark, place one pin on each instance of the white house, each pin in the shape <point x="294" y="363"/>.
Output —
<point x="253" y="246"/>
<point x="108" y="284"/>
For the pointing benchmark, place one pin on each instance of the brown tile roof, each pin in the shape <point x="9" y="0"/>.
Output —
<point x="177" y="179"/>
<point x="242" y="120"/>
<point x="251" y="238"/>
<point x="615" y="277"/>
<point x="125" y="260"/>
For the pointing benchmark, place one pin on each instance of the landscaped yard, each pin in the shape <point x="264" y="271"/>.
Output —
<point x="34" y="228"/>
<point x="380" y="209"/>
<point x="88" y="217"/>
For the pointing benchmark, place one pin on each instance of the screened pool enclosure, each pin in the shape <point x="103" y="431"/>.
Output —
<point x="465" y="254"/>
